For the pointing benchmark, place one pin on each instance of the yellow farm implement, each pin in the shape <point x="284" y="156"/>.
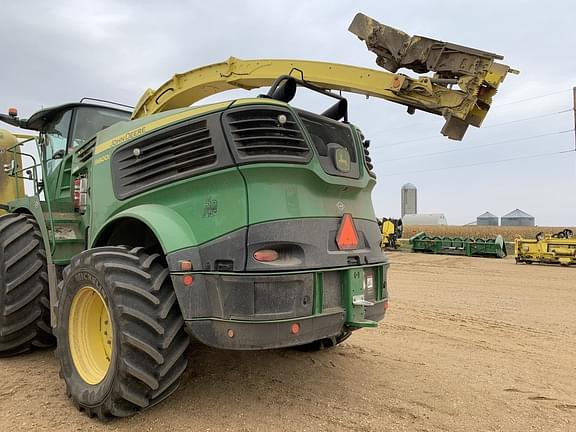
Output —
<point x="11" y="187"/>
<point x="559" y="248"/>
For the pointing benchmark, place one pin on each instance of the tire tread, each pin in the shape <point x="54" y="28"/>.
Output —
<point x="24" y="294"/>
<point x="150" y="328"/>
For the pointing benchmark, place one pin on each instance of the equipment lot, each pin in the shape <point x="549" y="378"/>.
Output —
<point x="469" y="344"/>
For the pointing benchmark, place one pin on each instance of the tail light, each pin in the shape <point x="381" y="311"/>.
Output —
<point x="80" y="194"/>
<point x="295" y="328"/>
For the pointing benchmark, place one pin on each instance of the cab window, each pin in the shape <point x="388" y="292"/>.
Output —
<point x="56" y="139"/>
<point x="88" y="121"/>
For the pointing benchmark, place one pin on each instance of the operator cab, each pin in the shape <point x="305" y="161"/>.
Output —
<point x="66" y="127"/>
<point x="69" y="126"/>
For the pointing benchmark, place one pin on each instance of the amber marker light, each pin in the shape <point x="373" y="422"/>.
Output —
<point x="266" y="255"/>
<point x="186" y="265"/>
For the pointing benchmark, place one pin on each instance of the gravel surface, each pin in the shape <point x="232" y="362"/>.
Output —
<point x="469" y="344"/>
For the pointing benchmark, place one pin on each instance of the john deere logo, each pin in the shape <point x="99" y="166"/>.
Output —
<point x="342" y="160"/>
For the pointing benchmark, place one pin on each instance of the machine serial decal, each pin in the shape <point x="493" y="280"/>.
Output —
<point x="210" y="208"/>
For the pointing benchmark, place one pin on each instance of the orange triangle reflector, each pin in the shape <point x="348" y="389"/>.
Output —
<point x="347" y="237"/>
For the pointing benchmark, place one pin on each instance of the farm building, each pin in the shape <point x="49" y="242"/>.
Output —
<point x="425" y="219"/>
<point x="487" y="219"/>
<point x="517" y="218"/>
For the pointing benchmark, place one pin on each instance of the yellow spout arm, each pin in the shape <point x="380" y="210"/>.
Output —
<point x="421" y="93"/>
<point x="460" y="90"/>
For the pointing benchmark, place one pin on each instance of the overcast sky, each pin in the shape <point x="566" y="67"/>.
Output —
<point x="60" y="51"/>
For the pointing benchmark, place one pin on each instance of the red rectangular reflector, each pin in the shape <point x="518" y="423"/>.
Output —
<point x="347" y="236"/>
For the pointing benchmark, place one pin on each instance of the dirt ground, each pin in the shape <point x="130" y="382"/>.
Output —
<point x="469" y="344"/>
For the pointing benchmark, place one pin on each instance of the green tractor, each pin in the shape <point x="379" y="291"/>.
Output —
<point x="246" y="224"/>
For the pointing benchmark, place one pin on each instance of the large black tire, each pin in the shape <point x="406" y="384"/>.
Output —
<point x="149" y="342"/>
<point x="24" y="295"/>
<point x="326" y="343"/>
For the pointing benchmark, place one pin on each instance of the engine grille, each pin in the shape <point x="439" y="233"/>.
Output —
<point x="259" y="134"/>
<point x="163" y="157"/>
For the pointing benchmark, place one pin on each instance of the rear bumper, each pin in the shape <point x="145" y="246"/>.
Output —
<point x="255" y="335"/>
<point x="259" y="311"/>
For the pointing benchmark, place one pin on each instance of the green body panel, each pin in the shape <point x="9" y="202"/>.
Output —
<point x="182" y="214"/>
<point x="211" y="205"/>
<point x="297" y="191"/>
<point x="318" y="293"/>
<point x="169" y="226"/>
<point x="58" y="184"/>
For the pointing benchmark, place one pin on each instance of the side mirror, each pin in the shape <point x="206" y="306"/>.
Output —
<point x="58" y="155"/>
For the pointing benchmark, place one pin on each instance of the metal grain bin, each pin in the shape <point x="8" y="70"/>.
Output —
<point x="487" y="219"/>
<point x="517" y="218"/>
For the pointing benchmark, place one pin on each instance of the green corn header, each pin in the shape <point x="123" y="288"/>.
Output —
<point x="481" y="247"/>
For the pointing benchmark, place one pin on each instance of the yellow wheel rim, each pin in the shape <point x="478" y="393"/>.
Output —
<point x="90" y="335"/>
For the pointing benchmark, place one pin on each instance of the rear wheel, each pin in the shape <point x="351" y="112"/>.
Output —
<point x="24" y="296"/>
<point x="121" y="339"/>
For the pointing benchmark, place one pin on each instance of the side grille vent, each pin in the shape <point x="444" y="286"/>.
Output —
<point x="267" y="135"/>
<point x="85" y="152"/>
<point x="163" y="157"/>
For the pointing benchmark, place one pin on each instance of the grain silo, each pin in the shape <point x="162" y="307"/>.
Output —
<point x="517" y="218"/>
<point x="409" y="199"/>
<point x="487" y="219"/>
